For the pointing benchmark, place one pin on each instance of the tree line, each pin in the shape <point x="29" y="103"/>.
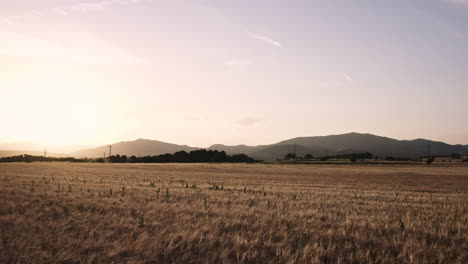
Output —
<point x="31" y="158"/>
<point x="195" y="156"/>
<point x="352" y="156"/>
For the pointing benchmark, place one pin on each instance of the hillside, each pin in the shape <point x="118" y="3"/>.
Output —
<point x="317" y="146"/>
<point x="349" y="143"/>
<point x="279" y="151"/>
<point x="139" y="147"/>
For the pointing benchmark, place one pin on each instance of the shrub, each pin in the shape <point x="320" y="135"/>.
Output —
<point x="430" y="160"/>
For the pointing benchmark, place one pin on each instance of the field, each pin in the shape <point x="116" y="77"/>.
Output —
<point x="228" y="213"/>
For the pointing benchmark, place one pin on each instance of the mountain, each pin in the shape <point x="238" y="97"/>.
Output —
<point x="276" y="151"/>
<point x="139" y="147"/>
<point x="317" y="146"/>
<point x="348" y="143"/>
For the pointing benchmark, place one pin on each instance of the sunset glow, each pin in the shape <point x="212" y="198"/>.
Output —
<point x="205" y="72"/>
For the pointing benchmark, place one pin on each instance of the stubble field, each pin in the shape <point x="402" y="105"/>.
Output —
<point x="232" y="213"/>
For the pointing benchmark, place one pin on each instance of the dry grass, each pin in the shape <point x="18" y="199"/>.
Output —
<point x="207" y="213"/>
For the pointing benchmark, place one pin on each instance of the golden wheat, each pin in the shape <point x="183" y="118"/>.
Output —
<point x="232" y="213"/>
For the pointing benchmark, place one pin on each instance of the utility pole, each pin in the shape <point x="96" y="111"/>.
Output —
<point x="45" y="153"/>
<point x="110" y="150"/>
<point x="294" y="150"/>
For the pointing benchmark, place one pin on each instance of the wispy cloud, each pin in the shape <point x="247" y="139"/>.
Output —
<point x="349" y="79"/>
<point x="336" y="82"/>
<point x="265" y="39"/>
<point x="248" y="121"/>
<point x="65" y="10"/>
<point x="61" y="45"/>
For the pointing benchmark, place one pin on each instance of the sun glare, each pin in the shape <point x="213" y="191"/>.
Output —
<point x="54" y="109"/>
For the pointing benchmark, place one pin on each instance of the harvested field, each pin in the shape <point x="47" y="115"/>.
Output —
<point x="232" y="213"/>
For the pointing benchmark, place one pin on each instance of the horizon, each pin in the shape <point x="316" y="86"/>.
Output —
<point x="198" y="73"/>
<point x="69" y="149"/>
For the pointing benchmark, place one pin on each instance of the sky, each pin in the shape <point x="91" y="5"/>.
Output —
<point x="203" y="72"/>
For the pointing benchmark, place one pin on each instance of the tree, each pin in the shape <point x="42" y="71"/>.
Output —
<point x="290" y="156"/>
<point x="241" y="158"/>
<point x="181" y="156"/>
<point x="114" y="158"/>
<point x="133" y="159"/>
<point x="219" y="156"/>
<point x="309" y="156"/>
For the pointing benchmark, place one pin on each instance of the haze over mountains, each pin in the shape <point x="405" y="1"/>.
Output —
<point x="317" y="146"/>
<point x="37" y="149"/>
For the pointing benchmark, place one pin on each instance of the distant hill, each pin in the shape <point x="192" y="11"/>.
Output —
<point x="275" y="151"/>
<point x="349" y="143"/>
<point x="317" y="146"/>
<point x="139" y="147"/>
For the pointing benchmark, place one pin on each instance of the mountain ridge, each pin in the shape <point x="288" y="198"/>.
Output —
<point x="139" y="147"/>
<point x="316" y="145"/>
<point x="319" y="146"/>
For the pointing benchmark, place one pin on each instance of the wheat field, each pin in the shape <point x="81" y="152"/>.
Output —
<point x="232" y="213"/>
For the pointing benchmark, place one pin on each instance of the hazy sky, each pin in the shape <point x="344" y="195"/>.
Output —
<point x="202" y="72"/>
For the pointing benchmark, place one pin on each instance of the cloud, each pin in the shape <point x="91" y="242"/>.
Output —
<point x="62" y="45"/>
<point x="65" y="10"/>
<point x="336" y="82"/>
<point x="264" y="39"/>
<point x="349" y="79"/>
<point x="248" y="121"/>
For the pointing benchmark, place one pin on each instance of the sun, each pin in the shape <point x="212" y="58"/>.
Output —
<point x="53" y="109"/>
